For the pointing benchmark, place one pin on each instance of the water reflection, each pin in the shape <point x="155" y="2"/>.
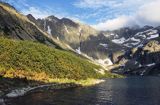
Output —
<point x="129" y="91"/>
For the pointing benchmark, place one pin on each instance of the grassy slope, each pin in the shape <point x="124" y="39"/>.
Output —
<point x="31" y="57"/>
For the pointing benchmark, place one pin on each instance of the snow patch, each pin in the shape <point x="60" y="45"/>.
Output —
<point x="57" y="38"/>
<point x="104" y="45"/>
<point x="136" y="43"/>
<point x="139" y="65"/>
<point x="49" y="19"/>
<point x="49" y="30"/>
<point x="141" y="35"/>
<point x="152" y="64"/>
<point x="148" y="34"/>
<point x="141" y="45"/>
<point x="104" y="62"/>
<point x="153" y="36"/>
<point x="119" y="41"/>
<point x="101" y="71"/>
<point x="134" y="39"/>
<point x="152" y="32"/>
<point x="112" y="34"/>
<point x="127" y="45"/>
<point x="78" y="50"/>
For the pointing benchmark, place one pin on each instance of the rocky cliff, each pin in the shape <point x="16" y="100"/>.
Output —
<point x="81" y="37"/>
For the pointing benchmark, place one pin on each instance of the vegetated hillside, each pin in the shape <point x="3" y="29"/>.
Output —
<point x="35" y="57"/>
<point x="17" y="26"/>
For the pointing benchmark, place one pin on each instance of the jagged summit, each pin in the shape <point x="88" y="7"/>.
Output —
<point x="52" y="18"/>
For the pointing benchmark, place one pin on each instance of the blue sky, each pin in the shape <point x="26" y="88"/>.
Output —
<point x="101" y="14"/>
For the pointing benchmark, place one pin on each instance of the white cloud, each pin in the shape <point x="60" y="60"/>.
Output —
<point x="113" y="24"/>
<point x="147" y="14"/>
<point x="36" y="12"/>
<point x="94" y="4"/>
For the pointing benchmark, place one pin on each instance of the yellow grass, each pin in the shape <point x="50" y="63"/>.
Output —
<point x="43" y="77"/>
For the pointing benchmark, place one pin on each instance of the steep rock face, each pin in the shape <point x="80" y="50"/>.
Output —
<point x="143" y="60"/>
<point x="141" y="49"/>
<point x="126" y="46"/>
<point x="133" y="37"/>
<point x="82" y="38"/>
<point x="65" y="29"/>
<point x="99" y="47"/>
<point x="126" y="32"/>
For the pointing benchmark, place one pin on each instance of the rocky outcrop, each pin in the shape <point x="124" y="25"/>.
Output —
<point x="142" y="61"/>
<point x="133" y="37"/>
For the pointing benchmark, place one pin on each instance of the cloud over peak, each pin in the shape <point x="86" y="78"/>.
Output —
<point x="147" y="14"/>
<point x="113" y="24"/>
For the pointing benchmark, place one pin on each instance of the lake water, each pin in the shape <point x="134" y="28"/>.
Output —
<point x="129" y="91"/>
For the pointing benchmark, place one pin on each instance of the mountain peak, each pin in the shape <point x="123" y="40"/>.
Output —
<point x="30" y="17"/>
<point x="147" y="27"/>
<point x="52" y="17"/>
<point x="69" y="22"/>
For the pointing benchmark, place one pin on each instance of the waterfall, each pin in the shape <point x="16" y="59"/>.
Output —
<point x="44" y="27"/>
<point x="49" y="30"/>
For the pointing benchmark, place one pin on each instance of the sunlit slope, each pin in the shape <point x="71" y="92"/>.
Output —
<point x="36" y="57"/>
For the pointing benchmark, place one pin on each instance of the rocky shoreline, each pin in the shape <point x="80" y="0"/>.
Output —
<point x="9" y="90"/>
<point x="21" y="91"/>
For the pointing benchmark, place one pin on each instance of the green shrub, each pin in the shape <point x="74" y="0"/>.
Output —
<point x="31" y="56"/>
